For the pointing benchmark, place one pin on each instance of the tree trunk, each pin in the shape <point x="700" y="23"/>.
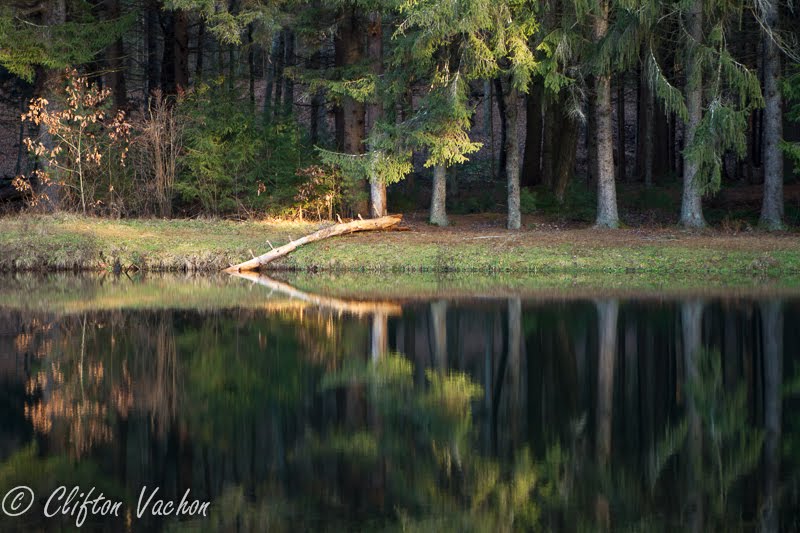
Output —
<point x="691" y="204"/>
<point x="622" y="161"/>
<point x="317" y="103"/>
<point x="531" y="164"/>
<point x="251" y="67"/>
<point x="181" y="50"/>
<point x="606" y="190"/>
<point x="350" y="52"/>
<point x="152" y="11"/>
<point x="591" y="137"/>
<point x="662" y="162"/>
<point x="772" y="206"/>
<point x="552" y="113"/>
<point x="513" y="159"/>
<point x="167" y="22"/>
<point x="201" y="42"/>
<point x="647" y="129"/>
<point x="277" y="62"/>
<point x="289" y="61"/>
<point x="382" y="223"/>
<point x="607" y="216"/>
<point x="567" y="151"/>
<point x="115" y="55"/>
<point x="502" y="112"/>
<point x="377" y="187"/>
<point x="269" y="83"/>
<point x="438" y="216"/>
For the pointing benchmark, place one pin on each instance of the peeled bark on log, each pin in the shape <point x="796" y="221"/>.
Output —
<point x="256" y="263"/>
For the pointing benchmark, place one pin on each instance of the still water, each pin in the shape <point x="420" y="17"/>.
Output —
<point x="483" y="410"/>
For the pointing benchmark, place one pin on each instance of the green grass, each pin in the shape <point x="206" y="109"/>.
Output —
<point x="68" y="242"/>
<point x="350" y="254"/>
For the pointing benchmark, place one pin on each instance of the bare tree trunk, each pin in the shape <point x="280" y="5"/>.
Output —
<point x="115" y="55"/>
<point x="607" y="216"/>
<point x="377" y="187"/>
<point x="167" y="79"/>
<point x="289" y="61"/>
<point x="344" y="228"/>
<point x="152" y="10"/>
<point x="591" y="136"/>
<point x="622" y="161"/>
<point x="277" y="62"/>
<point x="502" y="113"/>
<point x="270" y="79"/>
<point x="691" y="204"/>
<point x="772" y="206"/>
<point x="251" y="67"/>
<point x="349" y="52"/>
<point x="552" y="113"/>
<point x="513" y="159"/>
<point x="201" y="44"/>
<point x="647" y="141"/>
<point x="181" y="50"/>
<point x="531" y="164"/>
<point x="438" y="214"/>
<point x="567" y="151"/>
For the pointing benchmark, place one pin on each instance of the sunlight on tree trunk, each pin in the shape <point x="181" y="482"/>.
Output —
<point x="438" y="215"/>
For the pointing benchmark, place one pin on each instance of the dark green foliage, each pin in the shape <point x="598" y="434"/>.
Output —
<point x="527" y="202"/>
<point x="791" y="90"/>
<point x="25" y="46"/>
<point x="233" y="161"/>
<point x="579" y="203"/>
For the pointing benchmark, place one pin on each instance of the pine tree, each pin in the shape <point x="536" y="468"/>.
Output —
<point x="772" y="206"/>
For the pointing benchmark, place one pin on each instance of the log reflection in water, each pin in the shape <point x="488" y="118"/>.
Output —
<point x="352" y="307"/>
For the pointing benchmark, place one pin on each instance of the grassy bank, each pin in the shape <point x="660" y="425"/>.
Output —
<point x="471" y="244"/>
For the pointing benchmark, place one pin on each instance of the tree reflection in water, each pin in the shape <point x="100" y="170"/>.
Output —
<point x="490" y="415"/>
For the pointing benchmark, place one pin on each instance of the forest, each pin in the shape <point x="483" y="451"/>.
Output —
<point x="603" y="112"/>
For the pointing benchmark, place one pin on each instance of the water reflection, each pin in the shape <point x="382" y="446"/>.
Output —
<point x="295" y="411"/>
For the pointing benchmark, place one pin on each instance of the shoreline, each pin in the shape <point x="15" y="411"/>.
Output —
<point x="474" y="244"/>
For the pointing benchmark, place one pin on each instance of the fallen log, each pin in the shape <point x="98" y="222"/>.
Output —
<point x="371" y="224"/>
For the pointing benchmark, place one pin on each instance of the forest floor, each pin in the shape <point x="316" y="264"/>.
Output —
<point x="472" y="243"/>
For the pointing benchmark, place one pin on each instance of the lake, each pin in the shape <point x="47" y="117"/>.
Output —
<point x="425" y="404"/>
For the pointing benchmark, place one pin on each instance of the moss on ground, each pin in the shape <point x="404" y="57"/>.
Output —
<point x="69" y="242"/>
